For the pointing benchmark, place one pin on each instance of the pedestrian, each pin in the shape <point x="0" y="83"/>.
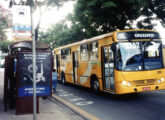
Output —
<point x="54" y="80"/>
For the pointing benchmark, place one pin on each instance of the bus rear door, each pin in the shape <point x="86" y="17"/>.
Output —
<point x="108" y="68"/>
<point x="75" y="58"/>
<point x="58" y="64"/>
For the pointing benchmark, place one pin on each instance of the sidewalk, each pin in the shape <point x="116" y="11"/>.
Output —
<point x="50" y="109"/>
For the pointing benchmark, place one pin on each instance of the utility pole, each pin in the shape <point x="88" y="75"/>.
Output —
<point x="34" y="60"/>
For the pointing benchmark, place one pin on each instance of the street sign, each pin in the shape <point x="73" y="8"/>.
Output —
<point x="21" y="23"/>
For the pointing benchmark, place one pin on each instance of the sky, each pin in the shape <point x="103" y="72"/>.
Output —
<point x="54" y="15"/>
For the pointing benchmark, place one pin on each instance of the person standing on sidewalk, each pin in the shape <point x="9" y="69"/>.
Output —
<point x="54" y="80"/>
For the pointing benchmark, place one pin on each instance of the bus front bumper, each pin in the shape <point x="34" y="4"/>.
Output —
<point x="134" y="89"/>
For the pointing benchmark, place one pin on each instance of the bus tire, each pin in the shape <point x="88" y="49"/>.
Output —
<point x="63" y="80"/>
<point x="95" y="84"/>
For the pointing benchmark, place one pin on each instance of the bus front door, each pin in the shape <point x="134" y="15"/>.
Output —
<point x="108" y="68"/>
<point x="58" y="65"/>
<point x="75" y="58"/>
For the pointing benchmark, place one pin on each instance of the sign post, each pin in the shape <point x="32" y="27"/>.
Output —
<point x="34" y="63"/>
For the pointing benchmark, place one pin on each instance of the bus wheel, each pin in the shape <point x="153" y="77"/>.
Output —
<point x="63" y="78"/>
<point x="95" y="84"/>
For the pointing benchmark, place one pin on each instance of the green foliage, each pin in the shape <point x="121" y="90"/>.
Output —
<point x="3" y="23"/>
<point x="3" y="26"/>
<point x="94" y="17"/>
<point x="62" y="34"/>
<point x="109" y="4"/>
<point x="37" y="3"/>
<point x="105" y="16"/>
<point x="47" y="4"/>
<point x="153" y="10"/>
<point x="4" y="46"/>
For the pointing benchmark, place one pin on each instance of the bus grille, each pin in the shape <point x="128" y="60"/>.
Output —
<point x="144" y="82"/>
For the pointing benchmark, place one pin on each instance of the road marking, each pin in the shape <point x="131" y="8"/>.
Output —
<point x="74" y="98"/>
<point x="159" y="92"/>
<point x="84" y="103"/>
<point x="75" y="108"/>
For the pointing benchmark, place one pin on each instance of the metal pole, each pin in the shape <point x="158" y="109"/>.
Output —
<point x="34" y="64"/>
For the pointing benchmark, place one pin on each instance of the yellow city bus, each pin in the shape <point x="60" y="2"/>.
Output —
<point x="123" y="61"/>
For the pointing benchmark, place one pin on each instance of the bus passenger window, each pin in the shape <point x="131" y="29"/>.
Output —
<point x="68" y="54"/>
<point x="94" y="51"/>
<point x="111" y="57"/>
<point x="63" y="56"/>
<point x="84" y="52"/>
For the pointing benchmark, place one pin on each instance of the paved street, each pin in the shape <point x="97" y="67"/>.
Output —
<point x="140" y="106"/>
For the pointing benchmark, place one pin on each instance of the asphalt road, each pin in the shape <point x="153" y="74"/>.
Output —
<point x="139" y="106"/>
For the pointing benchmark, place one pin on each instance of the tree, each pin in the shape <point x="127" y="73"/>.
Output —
<point x="106" y="16"/>
<point x="62" y="34"/>
<point x="3" y="22"/>
<point x="152" y="10"/>
<point x="94" y="17"/>
<point x="43" y="6"/>
<point x="4" y="46"/>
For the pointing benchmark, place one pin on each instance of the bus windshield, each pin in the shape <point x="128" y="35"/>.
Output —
<point x="138" y="56"/>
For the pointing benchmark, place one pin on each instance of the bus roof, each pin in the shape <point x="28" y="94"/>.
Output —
<point x="100" y="37"/>
<point x="87" y="40"/>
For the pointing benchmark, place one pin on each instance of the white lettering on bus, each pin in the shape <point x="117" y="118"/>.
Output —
<point x="144" y="35"/>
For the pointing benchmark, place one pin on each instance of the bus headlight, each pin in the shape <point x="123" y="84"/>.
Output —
<point x="129" y="84"/>
<point x="160" y="80"/>
<point x="125" y="83"/>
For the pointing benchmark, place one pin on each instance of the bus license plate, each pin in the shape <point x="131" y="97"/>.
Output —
<point x="146" y="88"/>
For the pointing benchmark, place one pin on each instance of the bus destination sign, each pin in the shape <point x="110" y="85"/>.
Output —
<point x="137" y="35"/>
<point x="144" y="35"/>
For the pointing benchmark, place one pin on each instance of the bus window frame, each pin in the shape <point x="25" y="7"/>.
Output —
<point x="66" y="55"/>
<point x="86" y="53"/>
<point x="94" y="45"/>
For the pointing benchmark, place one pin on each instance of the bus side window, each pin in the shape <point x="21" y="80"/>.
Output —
<point x="94" y="51"/>
<point x="111" y="57"/>
<point x="63" y="55"/>
<point x="68" y="54"/>
<point x="84" y="52"/>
